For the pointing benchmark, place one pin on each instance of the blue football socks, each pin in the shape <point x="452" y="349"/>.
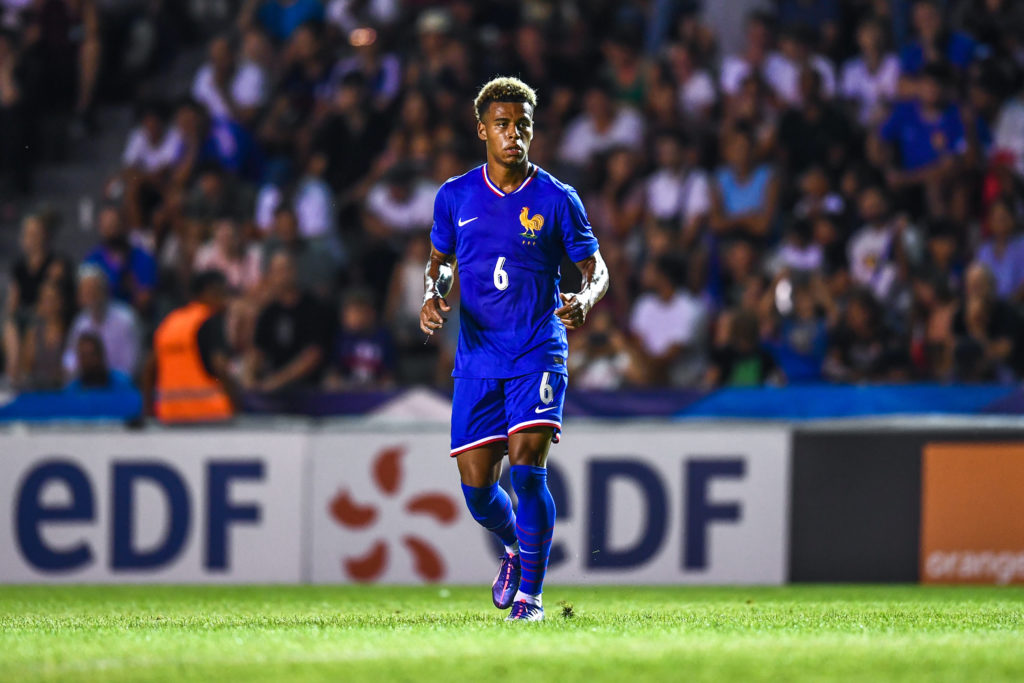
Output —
<point x="536" y="521"/>
<point x="492" y="508"/>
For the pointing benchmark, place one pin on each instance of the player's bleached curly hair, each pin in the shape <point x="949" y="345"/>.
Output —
<point x="503" y="89"/>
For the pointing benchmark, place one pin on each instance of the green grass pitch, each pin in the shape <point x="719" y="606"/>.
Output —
<point x="380" y="634"/>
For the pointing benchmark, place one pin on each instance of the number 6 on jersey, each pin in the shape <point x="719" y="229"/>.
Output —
<point x="500" y="276"/>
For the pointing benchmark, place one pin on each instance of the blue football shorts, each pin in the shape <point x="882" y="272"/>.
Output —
<point x="486" y="411"/>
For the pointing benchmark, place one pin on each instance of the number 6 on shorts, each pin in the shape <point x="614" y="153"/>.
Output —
<point x="547" y="392"/>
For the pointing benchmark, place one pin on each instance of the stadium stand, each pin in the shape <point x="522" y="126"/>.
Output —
<point x="831" y="194"/>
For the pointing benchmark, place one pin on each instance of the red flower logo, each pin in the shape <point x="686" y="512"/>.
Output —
<point x="347" y="511"/>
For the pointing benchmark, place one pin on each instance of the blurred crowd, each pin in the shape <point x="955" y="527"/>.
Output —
<point x="835" y="196"/>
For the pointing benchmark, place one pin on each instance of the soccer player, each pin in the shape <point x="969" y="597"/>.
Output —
<point x="507" y="224"/>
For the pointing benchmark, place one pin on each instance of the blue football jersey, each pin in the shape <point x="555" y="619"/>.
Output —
<point x="509" y="248"/>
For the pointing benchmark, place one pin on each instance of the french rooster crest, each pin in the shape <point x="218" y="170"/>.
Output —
<point x="530" y="224"/>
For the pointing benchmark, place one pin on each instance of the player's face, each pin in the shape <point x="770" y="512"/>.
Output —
<point x="507" y="128"/>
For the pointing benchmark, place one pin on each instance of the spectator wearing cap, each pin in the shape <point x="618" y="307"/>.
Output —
<point x="927" y="137"/>
<point x="602" y="125"/>
<point x="1003" y="251"/>
<point x="114" y="322"/>
<point x="669" y="323"/>
<point x="293" y="334"/>
<point x="280" y="18"/>
<point x="870" y="79"/>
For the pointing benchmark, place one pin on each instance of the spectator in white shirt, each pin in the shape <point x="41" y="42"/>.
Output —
<point x="250" y="88"/>
<point x="152" y="145"/>
<point x="401" y="203"/>
<point x="114" y="322"/>
<point x="696" y="91"/>
<point x="677" y="192"/>
<point x="870" y="249"/>
<point x="1008" y="135"/>
<point x="602" y="126"/>
<point x="736" y="67"/>
<point x="782" y="69"/>
<point x="669" y="322"/>
<point x="870" y="79"/>
<point x="314" y="200"/>
<point x="211" y="86"/>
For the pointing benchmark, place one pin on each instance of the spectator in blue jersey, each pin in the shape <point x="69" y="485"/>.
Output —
<point x="799" y="341"/>
<point x="927" y="136"/>
<point x="130" y="269"/>
<point x="213" y="140"/>
<point x="280" y="18"/>
<point x="93" y="372"/>
<point x="933" y="42"/>
<point x="364" y="355"/>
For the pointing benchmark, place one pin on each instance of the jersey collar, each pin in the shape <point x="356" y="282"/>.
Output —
<point x="494" y="188"/>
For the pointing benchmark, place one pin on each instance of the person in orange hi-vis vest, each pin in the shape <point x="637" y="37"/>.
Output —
<point x="187" y="378"/>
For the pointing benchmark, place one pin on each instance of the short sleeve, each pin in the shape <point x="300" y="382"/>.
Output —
<point x="442" y="233"/>
<point x="577" y="235"/>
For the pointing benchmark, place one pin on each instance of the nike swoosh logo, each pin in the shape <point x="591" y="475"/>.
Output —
<point x="538" y="410"/>
<point x="468" y="220"/>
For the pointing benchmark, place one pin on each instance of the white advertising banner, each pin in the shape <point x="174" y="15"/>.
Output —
<point x="189" y="506"/>
<point x="636" y="504"/>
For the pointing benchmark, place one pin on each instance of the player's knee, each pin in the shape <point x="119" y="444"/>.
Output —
<point x="477" y="497"/>
<point x="529" y="479"/>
